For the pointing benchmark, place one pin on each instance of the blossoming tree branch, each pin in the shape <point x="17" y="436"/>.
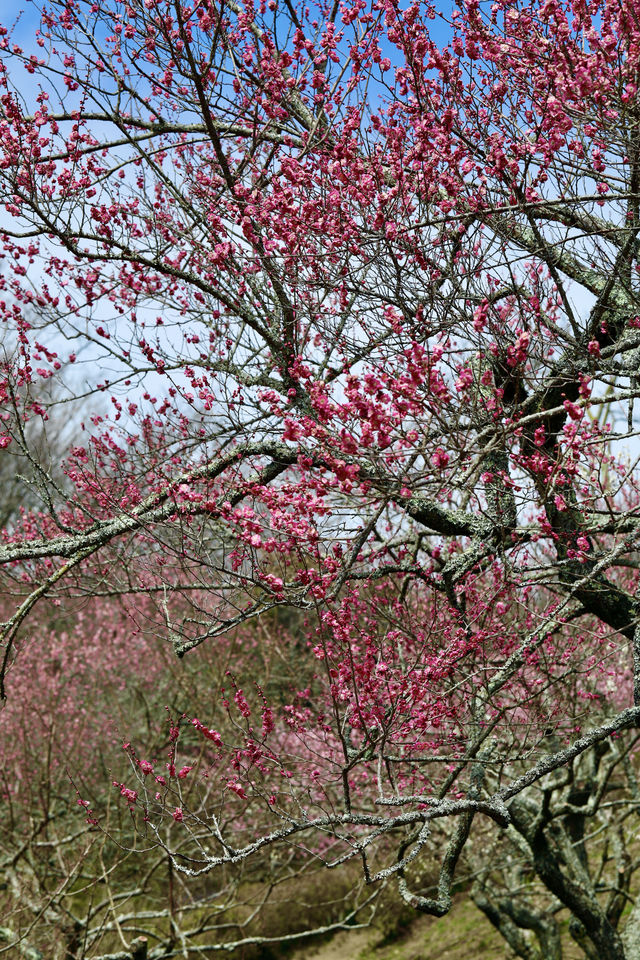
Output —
<point x="344" y="300"/>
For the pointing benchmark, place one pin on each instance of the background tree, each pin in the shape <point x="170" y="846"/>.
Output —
<point x="570" y="844"/>
<point x="30" y="466"/>
<point x="569" y="847"/>
<point x="356" y="298"/>
<point x="77" y="881"/>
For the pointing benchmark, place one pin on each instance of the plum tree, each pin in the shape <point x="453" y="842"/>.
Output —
<point x="359" y="284"/>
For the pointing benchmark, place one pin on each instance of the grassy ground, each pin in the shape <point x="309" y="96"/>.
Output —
<point x="464" y="934"/>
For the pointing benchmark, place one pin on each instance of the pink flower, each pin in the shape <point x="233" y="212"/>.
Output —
<point x="206" y="732"/>
<point x="439" y="458"/>
<point x="130" y="795"/>
<point x="237" y="788"/>
<point x="574" y="411"/>
<point x="267" y="721"/>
